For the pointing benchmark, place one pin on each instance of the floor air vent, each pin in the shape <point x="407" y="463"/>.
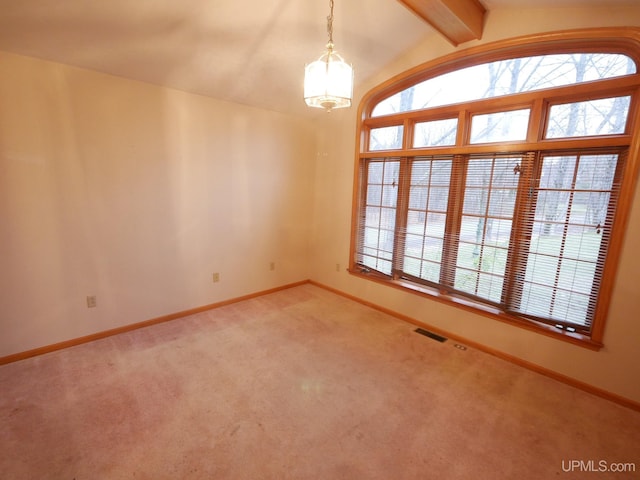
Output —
<point x="429" y="334"/>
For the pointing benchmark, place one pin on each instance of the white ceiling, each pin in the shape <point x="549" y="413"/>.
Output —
<point x="247" y="51"/>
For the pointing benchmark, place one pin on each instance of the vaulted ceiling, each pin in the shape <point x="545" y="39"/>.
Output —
<point x="247" y="51"/>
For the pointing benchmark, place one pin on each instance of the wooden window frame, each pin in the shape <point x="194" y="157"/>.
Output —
<point x="604" y="40"/>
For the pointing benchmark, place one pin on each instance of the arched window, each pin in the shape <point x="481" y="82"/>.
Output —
<point x="495" y="178"/>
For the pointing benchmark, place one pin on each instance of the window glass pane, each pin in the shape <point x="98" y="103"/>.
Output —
<point x="376" y="244"/>
<point x="557" y="173"/>
<point x="386" y="138"/>
<point x="474" y="271"/>
<point x="426" y="217"/>
<point x="375" y="173"/>
<point x="562" y="267"/>
<point x="506" y="77"/>
<point x="552" y="283"/>
<point x="485" y="229"/>
<point x="374" y="194"/>
<point x="500" y="126"/>
<point x="596" y="170"/>
<point x="606" y="116"/>
<point x="435" y="133"/>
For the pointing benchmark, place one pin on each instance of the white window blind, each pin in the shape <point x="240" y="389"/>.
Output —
<point x="526" y="233"/>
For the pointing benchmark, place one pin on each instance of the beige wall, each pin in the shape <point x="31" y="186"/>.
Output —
<point x="137" y="194"/>
<point x="616" y="368"/>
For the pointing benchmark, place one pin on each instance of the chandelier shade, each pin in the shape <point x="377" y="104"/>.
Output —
<point x="328" y="81"/>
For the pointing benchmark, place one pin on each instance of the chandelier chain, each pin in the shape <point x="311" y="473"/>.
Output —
<point x="330" y="23"/>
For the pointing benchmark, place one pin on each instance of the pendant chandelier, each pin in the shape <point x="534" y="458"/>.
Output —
<point x="328" y="82"/>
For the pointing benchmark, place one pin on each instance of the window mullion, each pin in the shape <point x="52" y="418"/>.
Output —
<point x="521" y="233"/>
<point x="537" y="121"/>
<point x="402" y="206"/>
<point x="464" y="128"/>
<point x="453" y="222"/>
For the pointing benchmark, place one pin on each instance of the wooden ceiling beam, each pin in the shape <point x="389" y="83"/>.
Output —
<point x="458" y="20"/>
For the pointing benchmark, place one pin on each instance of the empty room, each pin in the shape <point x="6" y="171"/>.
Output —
<point x="319" y="239"/>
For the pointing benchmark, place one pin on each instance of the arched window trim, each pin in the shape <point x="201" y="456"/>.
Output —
<point x="604" y="40"/>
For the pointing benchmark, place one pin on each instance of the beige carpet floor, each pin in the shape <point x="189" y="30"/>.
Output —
<point x="299" y="384"/>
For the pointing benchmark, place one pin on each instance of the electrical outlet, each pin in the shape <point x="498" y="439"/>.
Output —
<point x="216" y="277"/>
<point x="337" y="267"/>
<point x="272" y="266"/>
<point x="91" y="301"/>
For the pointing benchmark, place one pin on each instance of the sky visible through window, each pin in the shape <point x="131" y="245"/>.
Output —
<point x="505" y="77"/>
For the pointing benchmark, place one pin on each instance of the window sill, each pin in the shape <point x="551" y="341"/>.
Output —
<point x="481" y="309"/>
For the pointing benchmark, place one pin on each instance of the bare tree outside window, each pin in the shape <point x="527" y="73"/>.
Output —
<point x="506" y="77"/>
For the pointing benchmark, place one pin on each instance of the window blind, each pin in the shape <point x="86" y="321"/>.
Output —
<point x="527" y="233"/>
